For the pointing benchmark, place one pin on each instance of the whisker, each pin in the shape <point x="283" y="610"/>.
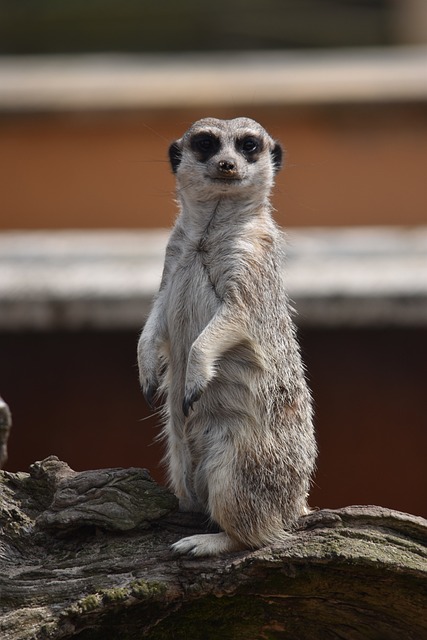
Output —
<point x="156" y="133"/>
<point x="155" y="414"/>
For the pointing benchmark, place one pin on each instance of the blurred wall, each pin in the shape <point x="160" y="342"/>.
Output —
<point x="344" y="165"/>
<point x="42" y="26"/>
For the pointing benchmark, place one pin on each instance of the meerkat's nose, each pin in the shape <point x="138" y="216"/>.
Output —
<point x="227" y="167"/>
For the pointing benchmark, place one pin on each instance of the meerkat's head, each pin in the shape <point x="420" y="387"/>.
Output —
<point x="225" y="158"/>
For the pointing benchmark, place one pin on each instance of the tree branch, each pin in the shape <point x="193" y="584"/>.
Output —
<point x="86" y="555"/>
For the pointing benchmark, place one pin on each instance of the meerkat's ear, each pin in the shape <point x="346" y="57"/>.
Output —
<point x="175" y="155"/>
<point x="277" y="157"/>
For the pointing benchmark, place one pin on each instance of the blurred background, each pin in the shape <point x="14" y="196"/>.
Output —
<point x="91" y="95"/>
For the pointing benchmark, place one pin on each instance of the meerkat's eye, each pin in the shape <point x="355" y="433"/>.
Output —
<point x="250" y="144"/>
<point x="204" y="145"/>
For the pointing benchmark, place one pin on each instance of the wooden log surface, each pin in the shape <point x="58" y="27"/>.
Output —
<point x="86" y="555"/>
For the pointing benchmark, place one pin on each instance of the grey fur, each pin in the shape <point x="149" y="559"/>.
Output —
<point x="220" y="344"/>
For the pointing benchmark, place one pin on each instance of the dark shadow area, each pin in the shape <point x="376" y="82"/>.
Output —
<point x="76" y="395"/>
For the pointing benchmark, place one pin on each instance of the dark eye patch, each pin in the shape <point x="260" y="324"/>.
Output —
<point x="205" y="145"/>
<point x="250" y="147"/>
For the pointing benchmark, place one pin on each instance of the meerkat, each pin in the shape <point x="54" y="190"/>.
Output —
<point x="221" y="346"/>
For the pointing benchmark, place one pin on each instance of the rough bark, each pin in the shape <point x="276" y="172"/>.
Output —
<point x="86" y="555"/>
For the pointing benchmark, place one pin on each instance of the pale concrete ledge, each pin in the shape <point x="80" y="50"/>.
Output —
<point x="109" y="82"/>
<point x="106" y="279"/>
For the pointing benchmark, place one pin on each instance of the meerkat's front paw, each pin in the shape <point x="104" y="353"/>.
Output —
<point x="149" y="389"/>
<point x="199" y="374"/>
<point x="148" y="382"/>
<point x="206" y="544"/>
<point x="190" y="397"/>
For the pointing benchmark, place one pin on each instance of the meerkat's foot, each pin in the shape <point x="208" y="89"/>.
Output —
<point x="206" y="544"/>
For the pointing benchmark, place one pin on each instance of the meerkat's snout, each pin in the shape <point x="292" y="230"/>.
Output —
<point x="227" y="168"/>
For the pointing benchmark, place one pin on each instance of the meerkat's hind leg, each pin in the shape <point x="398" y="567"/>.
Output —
<point x="206" y="544"/>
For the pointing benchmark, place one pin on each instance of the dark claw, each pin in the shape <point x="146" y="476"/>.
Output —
<point x="186" y="406"/>
<point x="189" y="401"/>
<point x="149" y="393"/>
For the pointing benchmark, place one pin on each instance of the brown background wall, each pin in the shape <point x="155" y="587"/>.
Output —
<point x="345" y="165"/>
